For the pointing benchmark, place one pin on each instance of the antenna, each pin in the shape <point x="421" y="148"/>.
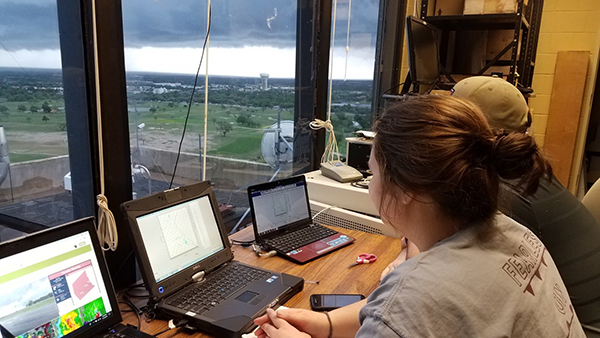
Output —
<point x="276" y="145"/>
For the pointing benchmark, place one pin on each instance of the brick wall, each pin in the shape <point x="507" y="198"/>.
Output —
<point x="566" y="25"/>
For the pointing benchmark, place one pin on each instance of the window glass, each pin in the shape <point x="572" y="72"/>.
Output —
<point x="251" y="123"/>
<point x="38" y="110"/>
<point x="352" y="67"/>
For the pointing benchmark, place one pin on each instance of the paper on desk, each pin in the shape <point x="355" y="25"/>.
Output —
<point x="251" y="334"/>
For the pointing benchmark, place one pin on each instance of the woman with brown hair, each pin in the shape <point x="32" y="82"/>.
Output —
<point x="436" y="168"/>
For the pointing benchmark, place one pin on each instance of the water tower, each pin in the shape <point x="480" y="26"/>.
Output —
<point x="264" y="80"/>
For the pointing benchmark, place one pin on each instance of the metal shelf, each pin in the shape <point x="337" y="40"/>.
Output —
<point x="476" y="21"/>
<point x="525" y="23"/>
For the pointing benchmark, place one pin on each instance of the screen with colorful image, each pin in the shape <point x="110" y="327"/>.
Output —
<point x="52" y="290"/>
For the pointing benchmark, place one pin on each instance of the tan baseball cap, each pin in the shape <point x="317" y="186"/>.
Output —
<point x="502" y="103"/>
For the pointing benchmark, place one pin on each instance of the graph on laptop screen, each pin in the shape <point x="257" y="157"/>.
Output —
<point x="180" y="236"/>
<point x="280" y="206"/>
<point x="52" y="290"/>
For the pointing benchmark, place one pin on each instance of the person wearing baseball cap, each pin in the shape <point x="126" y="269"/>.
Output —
<point x="568" y="230"/>
<point x="502" y="103"/>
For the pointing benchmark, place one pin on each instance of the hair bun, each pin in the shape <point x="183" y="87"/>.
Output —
<point x="517" y="156"/>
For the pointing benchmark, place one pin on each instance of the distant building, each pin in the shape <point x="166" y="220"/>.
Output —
<point x="264" y="81"/>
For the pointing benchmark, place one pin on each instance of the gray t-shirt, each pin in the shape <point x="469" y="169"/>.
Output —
<point x="470" y="285"/>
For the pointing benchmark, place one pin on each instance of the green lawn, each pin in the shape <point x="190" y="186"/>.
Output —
<point x="16" y="157"/>
<point x="242" y="142"/>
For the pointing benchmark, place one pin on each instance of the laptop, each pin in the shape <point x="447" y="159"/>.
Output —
<point x="55" y="283"/>
<point x="283" y="222"/>
<point x="187" y="264"/>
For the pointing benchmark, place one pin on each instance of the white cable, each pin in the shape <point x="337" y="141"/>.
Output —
<point x="331" y="61"/>
<point x="107" y="227"/>
<point x="347" y="41"/>
<point x="208" y="17"/>
<point x="322" y="210"/>
<point x="331" y="149"/>
<point x="259" y="252"/>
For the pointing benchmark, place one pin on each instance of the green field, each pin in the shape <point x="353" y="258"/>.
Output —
<point x="241" y="142"/>
<point x="31" y="137"/>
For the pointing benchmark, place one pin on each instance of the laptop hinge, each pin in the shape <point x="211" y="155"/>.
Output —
<point x="198" y="277"/>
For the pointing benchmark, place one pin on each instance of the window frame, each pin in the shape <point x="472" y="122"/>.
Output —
<point x="115" y="132"/>
<point x="313" y="31"/>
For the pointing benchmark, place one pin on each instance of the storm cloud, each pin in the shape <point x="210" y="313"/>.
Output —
<point x="33" y="24"/>
<point x="28" y="24"/>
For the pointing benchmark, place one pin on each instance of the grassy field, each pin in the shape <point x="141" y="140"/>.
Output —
<point x="242" y="142"/>
<point x="31" y="137"/>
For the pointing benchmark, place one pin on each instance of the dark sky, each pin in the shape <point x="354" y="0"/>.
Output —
<point x="33" y="24"/>
<point x="28" y="24"/>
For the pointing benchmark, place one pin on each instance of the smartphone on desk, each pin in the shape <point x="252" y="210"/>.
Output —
<point x="328" y="302"/>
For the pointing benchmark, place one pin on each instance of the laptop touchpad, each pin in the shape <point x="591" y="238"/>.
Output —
<point x="246" y="296"/>
<point x="319" y="245"/>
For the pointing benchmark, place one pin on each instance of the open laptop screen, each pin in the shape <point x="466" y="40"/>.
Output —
<point x="279" y="206"/>
<point x="180" y="236"/>
<point x="53" y="290"/>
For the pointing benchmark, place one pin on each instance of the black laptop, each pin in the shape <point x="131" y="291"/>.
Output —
<point x="55" y="283"/>
<point x="283" y="222"/>
<point x="188" y="267"/>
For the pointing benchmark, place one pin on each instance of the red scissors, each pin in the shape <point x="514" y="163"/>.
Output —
<point x="364" y="259"/>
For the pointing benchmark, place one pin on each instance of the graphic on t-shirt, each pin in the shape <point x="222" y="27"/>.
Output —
<point x="178" y="227"/>
<point x="527" y="268"/>
<point x="525" y="264"/>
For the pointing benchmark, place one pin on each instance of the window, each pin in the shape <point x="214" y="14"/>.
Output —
<point x="353" y="54"/>
<point x="252" y="116"/>
<point x="45" y="165"/>
<point x="265" y="60"/>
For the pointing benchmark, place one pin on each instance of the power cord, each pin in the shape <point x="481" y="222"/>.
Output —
<point x="242" y="243"/>
<point x="134" y="308"/>
<point x="363" y="184"/>
<point x="321" y="211"/>
<point x="258" y="250"/>
<point x="331" y="150"/>
<point x="260" y="253"/>
<point x="386" y="91"/>
<point x="181" y="323"/>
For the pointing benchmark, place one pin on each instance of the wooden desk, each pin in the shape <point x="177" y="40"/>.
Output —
<point x="331" y="271"/>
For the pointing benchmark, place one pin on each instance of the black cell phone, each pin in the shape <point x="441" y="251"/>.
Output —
<point x="328" y="302"/>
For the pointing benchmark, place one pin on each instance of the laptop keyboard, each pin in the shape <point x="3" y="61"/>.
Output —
<point x="294" y="240"/>
<point x="118" y="335"/>
<point x="201" y="297"/>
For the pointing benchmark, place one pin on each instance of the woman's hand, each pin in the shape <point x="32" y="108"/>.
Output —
<point x="292" y="323"/>
<point x="409" y="250"/>
<point x="399" y="260"/>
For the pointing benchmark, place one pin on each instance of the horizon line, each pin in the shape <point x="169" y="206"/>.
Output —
<point x="172" y="73"/>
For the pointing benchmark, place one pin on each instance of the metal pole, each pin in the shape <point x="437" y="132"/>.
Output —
<point x="277" y="135"/>
<point x="137" y="138"/>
